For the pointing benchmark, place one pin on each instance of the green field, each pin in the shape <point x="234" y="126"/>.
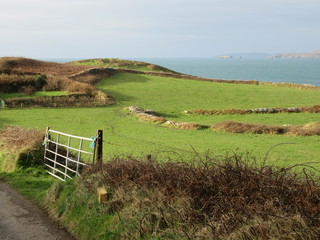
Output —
<point x="126" y="135"/>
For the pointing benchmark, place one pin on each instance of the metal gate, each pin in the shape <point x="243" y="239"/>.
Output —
<point x="64" y="154"/>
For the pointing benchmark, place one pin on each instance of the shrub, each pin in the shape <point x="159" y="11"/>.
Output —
<point x="219" y="198"/>
<point x="28" y="90"/>
<point x="79" y="87"/>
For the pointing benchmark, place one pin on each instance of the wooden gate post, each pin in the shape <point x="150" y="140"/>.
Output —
<point x="99" y="147"/>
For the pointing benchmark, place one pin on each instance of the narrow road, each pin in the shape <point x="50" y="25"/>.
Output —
<point x="21" y="219"/>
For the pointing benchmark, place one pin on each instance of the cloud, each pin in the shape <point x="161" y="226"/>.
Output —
<point x="166" y="24"/>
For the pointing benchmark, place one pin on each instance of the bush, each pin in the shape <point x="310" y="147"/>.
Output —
<point x="28" y="90"/>
<point x="218" y="198"/>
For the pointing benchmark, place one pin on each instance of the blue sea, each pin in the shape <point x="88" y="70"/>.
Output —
<point x="303" y="71"/>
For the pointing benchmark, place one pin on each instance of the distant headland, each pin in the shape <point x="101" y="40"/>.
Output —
<point x="314" y="54"/>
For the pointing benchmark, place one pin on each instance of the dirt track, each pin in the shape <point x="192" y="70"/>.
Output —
<point x="21" y="219"/>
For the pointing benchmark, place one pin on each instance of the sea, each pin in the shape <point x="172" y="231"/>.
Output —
<point x="302" y="71"/>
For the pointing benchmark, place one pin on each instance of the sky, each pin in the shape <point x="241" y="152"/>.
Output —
<point x="156" y="28"/>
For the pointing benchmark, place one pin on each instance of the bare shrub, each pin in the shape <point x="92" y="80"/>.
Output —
<point x="54" y="83"/>
<point x="79" y="87"/>
<point x="218" y="198"/>
<point x="28" y="90"/>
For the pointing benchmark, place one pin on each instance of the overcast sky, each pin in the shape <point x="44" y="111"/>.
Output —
<point x="156" y="28"/>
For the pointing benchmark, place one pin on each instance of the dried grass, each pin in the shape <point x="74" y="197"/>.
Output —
<point x="21" y="147"/>
<point x="150" y="118"/>
<point x="184" y="125"/>
<point x="239" y="127"/>
<point x="313" y="109"/>
<point x="305" y="130"/>
<point x="14" y="137"/>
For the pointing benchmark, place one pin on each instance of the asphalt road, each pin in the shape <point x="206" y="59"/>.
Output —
<point x="21" y="219"/>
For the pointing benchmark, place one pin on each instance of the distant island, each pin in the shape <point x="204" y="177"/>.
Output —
<point x="315" y="54"/>
<point x="253" y="55"/>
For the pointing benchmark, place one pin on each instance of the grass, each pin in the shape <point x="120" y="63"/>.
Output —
<point x="175" y="95"/>
<point x="123" y="64"/>
<point x="76" y="205"/>
<point x="32" y="183"/>
<point x="125" y="135"/>
<point x="36" y="94"/>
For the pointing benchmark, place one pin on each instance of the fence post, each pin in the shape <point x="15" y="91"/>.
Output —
<point x="99" y="147"/>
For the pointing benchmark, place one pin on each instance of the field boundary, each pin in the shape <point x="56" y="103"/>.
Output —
<point x="70" y="100"/>
<point x="151" y="116"/>
<point x="262" y="110"/>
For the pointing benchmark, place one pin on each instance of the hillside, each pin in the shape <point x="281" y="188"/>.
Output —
<point x="122" y="64"/>
<point x="33" y="83"/>
<point x="26" y="65"/>
<point x="315" y="54"/>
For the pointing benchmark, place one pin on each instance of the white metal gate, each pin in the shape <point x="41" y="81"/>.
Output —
<point x="64" y="152"/>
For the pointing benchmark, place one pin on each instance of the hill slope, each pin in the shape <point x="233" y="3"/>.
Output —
<point x="23" y="65"/>
<point x="122" y="64"/>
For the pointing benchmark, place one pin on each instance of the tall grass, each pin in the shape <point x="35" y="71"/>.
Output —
<point x="20" y="148"/>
